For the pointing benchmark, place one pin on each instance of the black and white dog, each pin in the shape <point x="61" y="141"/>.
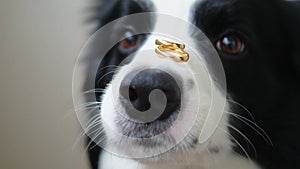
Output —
<point x="257" y="43"/>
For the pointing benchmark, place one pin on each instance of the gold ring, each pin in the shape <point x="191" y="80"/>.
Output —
<point x="171" y="50"/>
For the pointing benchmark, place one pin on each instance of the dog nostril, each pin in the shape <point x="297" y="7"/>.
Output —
<point x="133" y="96"/>
<point x="138" y="89"/>
<point x="139" y="95"/>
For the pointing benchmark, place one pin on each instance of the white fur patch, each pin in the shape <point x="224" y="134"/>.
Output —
<point x="178" y="8"/>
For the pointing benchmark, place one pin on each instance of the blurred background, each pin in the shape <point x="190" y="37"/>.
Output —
<point x="39" y="43"/>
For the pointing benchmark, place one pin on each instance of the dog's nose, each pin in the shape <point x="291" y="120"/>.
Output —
<point x="140" y="86"/>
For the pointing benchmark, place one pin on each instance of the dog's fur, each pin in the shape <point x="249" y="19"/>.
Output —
<point x="263" y="81"/>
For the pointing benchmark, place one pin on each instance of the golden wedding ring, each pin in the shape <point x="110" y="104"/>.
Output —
<point x="171" y="50"/>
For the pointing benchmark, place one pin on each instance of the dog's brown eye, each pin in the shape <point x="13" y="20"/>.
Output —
<point x="231" y="44"/>
<point x="129" y="41"/>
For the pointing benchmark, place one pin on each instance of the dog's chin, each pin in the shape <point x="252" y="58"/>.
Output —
<point x="153" y="150"/>
<point x="147" y="136"/>
<point x="148" y="142"/>
<point x="140" y="130"/>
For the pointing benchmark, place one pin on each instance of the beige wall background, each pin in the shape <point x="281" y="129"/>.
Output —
<point x="39" y="43"/>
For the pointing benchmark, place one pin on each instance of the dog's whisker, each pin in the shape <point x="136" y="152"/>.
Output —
<point x="245" y="137"/>
<point x="106" y="74"/>
<point x="110" y="66"/>
<point x="98" y="132"/>
<point x="83" y="109"/>
<point x="91" y="103"/>
<point x="94" y="121"/>
<point x="248" y="122"/>
<point x="93" y="91"/>
<point x="93" y="117"/>
<point x="94" y="134"/>
<point x="101" y="141"/>
<point x="88" y="108"/>
<point x="90" y="130"/>
<point x="87" y="104"/>
<point x="92" y="126"/>
<point x="243" y="107"/>
<point x="84" y="134"/>
<point x="239" y="144"/>
<point x="88" y="112"/>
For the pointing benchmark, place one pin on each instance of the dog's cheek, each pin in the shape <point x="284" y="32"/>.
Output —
<point x="108" y="116"/>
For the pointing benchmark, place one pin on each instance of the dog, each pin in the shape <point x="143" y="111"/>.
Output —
<point x="256" y="42"/>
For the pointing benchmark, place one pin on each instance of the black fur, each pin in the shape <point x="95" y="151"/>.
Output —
<point x="264" y="79"/>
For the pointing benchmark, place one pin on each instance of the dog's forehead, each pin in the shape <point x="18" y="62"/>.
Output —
<point x="178" y="8"/>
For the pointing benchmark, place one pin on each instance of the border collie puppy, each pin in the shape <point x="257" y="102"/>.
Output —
<point x="256" y="41"/>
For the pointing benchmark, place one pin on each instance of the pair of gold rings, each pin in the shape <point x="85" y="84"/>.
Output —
<point x="171" y="50"/>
